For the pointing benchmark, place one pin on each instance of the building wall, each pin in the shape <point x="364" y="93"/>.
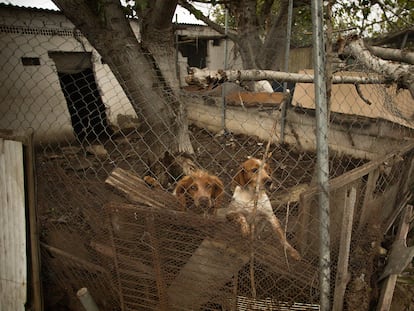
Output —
<point x="31" y="96"/>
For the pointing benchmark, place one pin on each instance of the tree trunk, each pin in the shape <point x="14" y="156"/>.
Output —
<point x="274" y="48"/>
<point x="106" y="27"/>
<point x="248" y="32"/>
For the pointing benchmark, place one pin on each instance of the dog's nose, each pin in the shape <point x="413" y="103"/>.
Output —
<point x="204" y="202"/>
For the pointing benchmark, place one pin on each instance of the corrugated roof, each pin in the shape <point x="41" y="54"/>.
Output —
<point x="13" y="6"/>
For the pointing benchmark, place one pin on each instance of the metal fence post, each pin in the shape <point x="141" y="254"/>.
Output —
<point x="223" y="90"/>
<point x="287" y="56"/>
<point x="322" y="152"/>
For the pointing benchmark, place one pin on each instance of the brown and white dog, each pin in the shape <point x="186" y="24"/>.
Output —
<point x="251" y="203"/>
<point x="200" y="192"/>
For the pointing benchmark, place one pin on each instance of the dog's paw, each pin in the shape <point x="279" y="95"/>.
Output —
<point x="295" y="254"/>
<point x="152" y="182"/>
<point x="245" y="230"/>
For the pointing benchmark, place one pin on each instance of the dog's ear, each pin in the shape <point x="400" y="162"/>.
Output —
<point x="218" y="187"/>
<point x="240" y="178"/>
<point x="183" y="185"/>
<point x="181" y="189"/>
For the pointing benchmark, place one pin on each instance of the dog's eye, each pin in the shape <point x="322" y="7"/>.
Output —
<point x="193" y="187"/>
<point x="254" y="170"/>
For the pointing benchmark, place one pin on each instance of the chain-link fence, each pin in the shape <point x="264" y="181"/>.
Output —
<point x="131" y="245"/>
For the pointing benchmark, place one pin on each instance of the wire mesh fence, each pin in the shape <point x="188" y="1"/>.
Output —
<point x="133" y="247"/>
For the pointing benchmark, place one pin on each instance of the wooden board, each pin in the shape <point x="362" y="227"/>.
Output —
<point x="257" y="99"/>
<point x="13" y="261"/>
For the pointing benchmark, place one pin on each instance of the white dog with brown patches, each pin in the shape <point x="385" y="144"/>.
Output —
<point x="251" y="203"/>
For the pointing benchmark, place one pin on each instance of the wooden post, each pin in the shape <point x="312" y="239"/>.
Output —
<point x="161" y="287"/>
<point x="369" y="191"/>
<point x="342" y="275"/>
<point x="13" y="263"/>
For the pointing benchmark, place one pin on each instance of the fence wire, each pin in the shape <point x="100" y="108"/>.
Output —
<point x="134" y="256"/>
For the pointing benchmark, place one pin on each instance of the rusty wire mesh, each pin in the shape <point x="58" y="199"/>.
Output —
<point x="135" y="257"/>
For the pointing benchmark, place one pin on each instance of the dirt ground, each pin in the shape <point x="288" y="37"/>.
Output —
<point x="72" y="192"/>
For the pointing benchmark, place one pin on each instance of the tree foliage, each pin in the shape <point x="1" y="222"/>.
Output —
<point x="366" y="17"/>
<point x="373" y="17"/>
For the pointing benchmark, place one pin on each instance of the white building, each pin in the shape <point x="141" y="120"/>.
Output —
<point x="43" y="55"/>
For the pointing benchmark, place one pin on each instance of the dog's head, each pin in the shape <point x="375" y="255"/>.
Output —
<point x="253" y="171"/>
<point x="200" y="191"/>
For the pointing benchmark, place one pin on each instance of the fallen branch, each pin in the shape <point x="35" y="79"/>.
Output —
<point x="257" y="75"/>
<point x="393" y="54"/>
<point x="402" y="74"/>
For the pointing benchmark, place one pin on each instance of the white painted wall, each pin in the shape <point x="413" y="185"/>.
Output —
<point x="31" y="96"/>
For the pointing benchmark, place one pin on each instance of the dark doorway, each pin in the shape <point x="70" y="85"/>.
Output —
<point x="194" y="50"/>
<point x="85" y="105"/>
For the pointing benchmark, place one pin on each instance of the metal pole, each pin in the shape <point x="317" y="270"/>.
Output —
<point x="223" y="90"/>
<point x="86" y="299"/>
<point x="177" y="64"/>
<point x="287" y="54"/>
<point x="322" y="152"/>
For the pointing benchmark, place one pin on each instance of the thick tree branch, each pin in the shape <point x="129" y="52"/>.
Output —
<point x="402" y="74"/>
<point x="276" y="37"/>
<point x="256" y="75"/>
<point x="199" y="15"/>
<point x="393" y="54"/>
<point x="265" y="11"/>
<point x="162" y="13"/>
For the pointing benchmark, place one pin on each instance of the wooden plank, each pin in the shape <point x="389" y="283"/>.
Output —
<point x="353" y="175"/>
<point x="256" y="99"/>
<point x="34" y="269"/>
<point x="342" y="274"/>
<point x="13" y="263"/>
<point x="388" y="285"/>
<point x="36" y="296"/>
<point x="212" y="265"/>
<point x="136" y="190"/>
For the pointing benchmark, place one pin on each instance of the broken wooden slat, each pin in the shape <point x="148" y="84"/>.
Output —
<point x="342" y="274"/>
<point x="369" y="195"/>
<point x="138" y="191"/>
<point x="388" y="286"/>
